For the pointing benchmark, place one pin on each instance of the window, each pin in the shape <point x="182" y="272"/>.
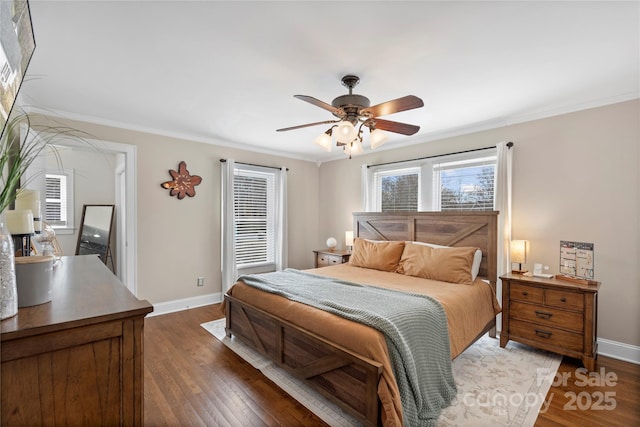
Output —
<point x="462" y="181"/>
<point x="398" y="189"/>
<point x="464" y="184"/>
<point x="58" y="209"/>
<point x="254" y="215"/>
<point x="254" y="220"/>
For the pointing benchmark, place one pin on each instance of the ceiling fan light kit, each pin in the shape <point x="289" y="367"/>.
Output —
<point x="324" y="141"/>
<point x="345" y="132"/>
<point x="354" y="112"/>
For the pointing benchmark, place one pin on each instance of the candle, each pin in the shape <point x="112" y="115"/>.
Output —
<point x="28" y="199"/>
<point x="19" y="221"/>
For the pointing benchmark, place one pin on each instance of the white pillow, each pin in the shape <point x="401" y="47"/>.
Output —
<point x="477" y="257"/>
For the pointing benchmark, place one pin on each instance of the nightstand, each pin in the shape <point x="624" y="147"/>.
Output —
<point x="551" y="314"/>
<point x="325" y="257"/>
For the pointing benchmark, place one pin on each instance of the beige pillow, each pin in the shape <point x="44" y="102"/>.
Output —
<point x="377" y="255"/>
<point x="445" y="264"/>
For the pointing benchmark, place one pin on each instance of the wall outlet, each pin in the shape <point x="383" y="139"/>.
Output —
<point x="200" y="281"/>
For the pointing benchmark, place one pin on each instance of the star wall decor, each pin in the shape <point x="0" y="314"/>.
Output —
<point x="183" y="183"/>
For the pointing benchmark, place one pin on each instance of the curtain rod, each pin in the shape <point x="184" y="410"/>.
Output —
<point x="253" y="164"/>
<point x="509" y="145"/>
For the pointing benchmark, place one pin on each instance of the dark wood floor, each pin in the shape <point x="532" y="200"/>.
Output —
<point x="192" y="379"/>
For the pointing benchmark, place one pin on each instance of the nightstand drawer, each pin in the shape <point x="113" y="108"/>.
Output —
<point x="322" y="260"/>
<point x="326" y="258"/>
<point x="526" y="293"/>
<point x="546" y="335"/>
<point x="562" y="299"/>
<point x="547" y="316"/>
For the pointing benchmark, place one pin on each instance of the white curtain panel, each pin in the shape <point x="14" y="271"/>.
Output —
<point x="228" y="253"/>
<point x="502" y="203"/>
<point x="282" y="247"/>
<point x="367" y="199"/>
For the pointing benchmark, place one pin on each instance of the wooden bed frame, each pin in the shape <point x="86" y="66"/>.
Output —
<point x="346" y="378"/>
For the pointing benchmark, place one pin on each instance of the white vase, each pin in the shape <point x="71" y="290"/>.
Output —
<point x="8" y="290"/>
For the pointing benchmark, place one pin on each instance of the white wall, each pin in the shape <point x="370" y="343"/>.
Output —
<point x="575" y="178"/>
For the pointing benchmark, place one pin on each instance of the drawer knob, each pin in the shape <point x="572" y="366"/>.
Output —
<point x="543" y="334"/>
<point x="563" y="299"/>
<point x="543" y="314"/>
<point x="525" y="293"/>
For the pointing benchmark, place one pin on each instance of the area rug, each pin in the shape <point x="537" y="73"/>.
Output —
<point x="496" y="386"/>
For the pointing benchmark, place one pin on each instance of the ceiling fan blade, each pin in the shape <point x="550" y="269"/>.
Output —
<point x="405" y="103"/>
<point x="318" y="103"/>
<point x="397" y="127"/>
<point x="307" y="125"/>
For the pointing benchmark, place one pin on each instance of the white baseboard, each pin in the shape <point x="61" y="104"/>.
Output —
<point x="185" y="304"/>
<point x="618" y="350"/>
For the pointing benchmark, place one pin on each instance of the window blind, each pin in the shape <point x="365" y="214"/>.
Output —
<point x="255" y="223"/>
<point x="399" y="192"/>
<point x="467" y="184"/>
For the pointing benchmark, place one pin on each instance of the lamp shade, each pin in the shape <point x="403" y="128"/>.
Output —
<point x="324" y="141"/>
<point x="518" y="251"/>
<point x="345" y="132"/>
<point x="348" y="238"/>
<point x="377" y="138"/>
<point x="356" y="148"/>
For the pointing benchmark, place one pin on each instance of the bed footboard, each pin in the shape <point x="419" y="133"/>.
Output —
<point x="344" y="377"/>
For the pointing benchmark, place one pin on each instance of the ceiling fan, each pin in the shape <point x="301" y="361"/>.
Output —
<point x="354" y="112"/>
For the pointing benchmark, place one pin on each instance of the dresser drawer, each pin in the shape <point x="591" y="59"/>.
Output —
<point x="547" y="316"/>
<point x="546" y="335"/>
<point x="521" y="292"/>
<point x="562" y="299"/>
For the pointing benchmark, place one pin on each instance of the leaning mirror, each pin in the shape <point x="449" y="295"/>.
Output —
<point x="94" y="235"/>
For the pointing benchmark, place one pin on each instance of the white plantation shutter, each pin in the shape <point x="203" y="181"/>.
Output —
<point x="254" y="215"/>
<point x="57" y="207"/>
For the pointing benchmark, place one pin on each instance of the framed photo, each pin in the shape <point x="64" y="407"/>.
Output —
<point x="17" y="44"/>
<point x="576" y="259"/>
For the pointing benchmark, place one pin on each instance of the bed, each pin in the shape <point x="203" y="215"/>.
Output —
<point x="346" y="361"/>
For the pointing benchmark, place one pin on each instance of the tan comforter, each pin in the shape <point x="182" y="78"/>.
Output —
<point x="469" y="309"/>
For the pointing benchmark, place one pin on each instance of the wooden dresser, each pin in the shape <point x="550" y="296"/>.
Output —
<point x="77" y="360"/>
<point x="551" y="314"/>
<point x="325" y="257"/>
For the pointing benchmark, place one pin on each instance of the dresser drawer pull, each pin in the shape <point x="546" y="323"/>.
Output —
<point x="543" y="334"/>
<point x="543" y="314"/>
<point x="563" y="299"/>
<point x="525" y="293"/>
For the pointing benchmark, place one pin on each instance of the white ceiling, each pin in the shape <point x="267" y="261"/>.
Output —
<point x="226" y="72"/>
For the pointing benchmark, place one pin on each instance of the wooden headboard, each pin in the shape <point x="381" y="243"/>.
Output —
<point x="460" y="228"/>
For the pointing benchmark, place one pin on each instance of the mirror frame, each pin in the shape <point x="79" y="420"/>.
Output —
<point x="102" y="255"/>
